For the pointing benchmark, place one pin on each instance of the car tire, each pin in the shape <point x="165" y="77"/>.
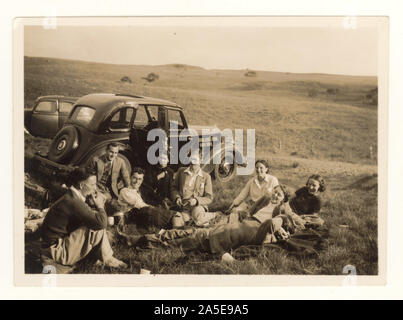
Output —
<point x="224" y="172"/>
<point x="62" y="146"/>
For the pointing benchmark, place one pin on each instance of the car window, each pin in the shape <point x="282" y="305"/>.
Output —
<point x="174" y="116"/>
<point x="141" y="118"/>
<point x="121" y="119"/>
<point x="153" y="110"/>
<point x="65" y="106"/>
<point x="46" y="106"/>
<point x="83" y="114"/>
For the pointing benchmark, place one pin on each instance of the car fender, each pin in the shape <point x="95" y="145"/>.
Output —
<point x="239" y="158"/>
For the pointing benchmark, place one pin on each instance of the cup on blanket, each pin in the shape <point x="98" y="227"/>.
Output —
<point x="178" y="221"/>
<point x="111" y="221"/>
<point x="145" y="271"/>
<point x="226" y="257"/>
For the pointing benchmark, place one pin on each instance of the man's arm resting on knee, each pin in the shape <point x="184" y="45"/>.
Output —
<point x="92" y="219"/>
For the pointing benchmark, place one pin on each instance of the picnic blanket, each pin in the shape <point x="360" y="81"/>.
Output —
<point x="33" y="219"/>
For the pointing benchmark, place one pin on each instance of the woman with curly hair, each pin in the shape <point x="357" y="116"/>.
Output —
<point x="307" y="203"/>
<point x="261" y="184"/>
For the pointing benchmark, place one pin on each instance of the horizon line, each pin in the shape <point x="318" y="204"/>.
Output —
<point x="213" y="69"/>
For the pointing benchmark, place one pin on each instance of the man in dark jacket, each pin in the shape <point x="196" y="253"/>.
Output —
<point x="71" y="229"/>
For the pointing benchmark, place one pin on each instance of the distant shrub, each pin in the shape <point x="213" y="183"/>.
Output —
<point x="294" y="153"/>
<point x="151" y="77"/>
<point x="312" y="93"/>
<point x="295" y="164"/>
<point x="250" y="73"/>
<point x="372" y="96"/>
<point x="126" y="79"/>
<point x="332" y="91"/>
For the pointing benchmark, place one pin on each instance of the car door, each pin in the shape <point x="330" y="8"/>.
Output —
<point x="45" y="120"/>
<point x="64" y="111"/>
<point x="175" y="124"/>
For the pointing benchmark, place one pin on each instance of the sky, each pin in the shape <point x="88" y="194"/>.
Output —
<point x="284" y="49"/>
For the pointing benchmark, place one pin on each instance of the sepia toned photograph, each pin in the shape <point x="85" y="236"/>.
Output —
<point x="216" y="146"/>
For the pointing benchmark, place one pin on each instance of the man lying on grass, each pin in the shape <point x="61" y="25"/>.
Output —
<point x="71" y="229"/>
<point x="270" y="218"/>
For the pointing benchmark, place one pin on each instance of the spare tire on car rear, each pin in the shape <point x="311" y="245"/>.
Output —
<point x="63" y="144"/>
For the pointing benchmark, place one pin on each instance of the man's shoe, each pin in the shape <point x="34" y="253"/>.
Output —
<point x="112" y="262"/>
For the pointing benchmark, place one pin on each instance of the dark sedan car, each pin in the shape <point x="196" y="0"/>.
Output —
<point x="48" y="115"/>
<point x="99" y="119"/>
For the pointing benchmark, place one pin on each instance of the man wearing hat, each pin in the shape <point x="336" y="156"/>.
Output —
<point x="192" y="192"/>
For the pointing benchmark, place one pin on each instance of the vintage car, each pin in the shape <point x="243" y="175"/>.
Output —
<point x="48" y="115"/>
<point x="99" y="119"/>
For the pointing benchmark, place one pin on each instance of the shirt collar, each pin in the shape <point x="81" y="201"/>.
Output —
<point x="198" y="173"/>
<point x="266" y="179"/>
<point x="78" y="193"/>
<point x="106" y="160"/>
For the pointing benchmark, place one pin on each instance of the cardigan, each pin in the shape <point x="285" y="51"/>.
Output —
<point x="305" y="203"/>
<point x="201" y="189"/>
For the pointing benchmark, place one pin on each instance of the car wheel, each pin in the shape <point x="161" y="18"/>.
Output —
<point x="225" y="171"/>
<point x="62" y="147"/>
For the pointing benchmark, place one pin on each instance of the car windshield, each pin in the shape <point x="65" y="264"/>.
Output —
<point x="83" y="115"/>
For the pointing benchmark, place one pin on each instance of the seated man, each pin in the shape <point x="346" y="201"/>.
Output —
<point x="109" y="169"/>
<point x="71" y="229"/>
<point x="192" y="192"/>
<point x="143" y="215"/>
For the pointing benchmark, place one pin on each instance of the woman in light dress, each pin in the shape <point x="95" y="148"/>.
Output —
<point x="260" y="185"/>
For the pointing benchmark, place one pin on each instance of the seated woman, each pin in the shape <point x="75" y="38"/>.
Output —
<point x="158" y="179"/>
<point x="262" y="184"/>
<point x="268" y="217"/>
<point x="307" y="203"/>
<point x="142" y="214"/>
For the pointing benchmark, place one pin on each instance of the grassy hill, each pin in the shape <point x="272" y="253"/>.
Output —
<point x="305" y="123"/>
<point x="309" y="115"/>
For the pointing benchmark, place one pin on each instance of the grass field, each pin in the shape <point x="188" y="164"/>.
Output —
<point x="305" y="123"/>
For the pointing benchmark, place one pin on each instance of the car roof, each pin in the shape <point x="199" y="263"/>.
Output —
<point x="105" y="104"/>
<point x="104" y="101"/>
<point x="56" y="96"/>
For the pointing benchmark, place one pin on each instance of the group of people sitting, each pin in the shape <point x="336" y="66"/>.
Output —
<point x="174" y="206"/>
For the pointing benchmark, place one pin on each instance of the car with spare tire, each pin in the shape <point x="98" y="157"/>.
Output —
<point x="97" y="120"/>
